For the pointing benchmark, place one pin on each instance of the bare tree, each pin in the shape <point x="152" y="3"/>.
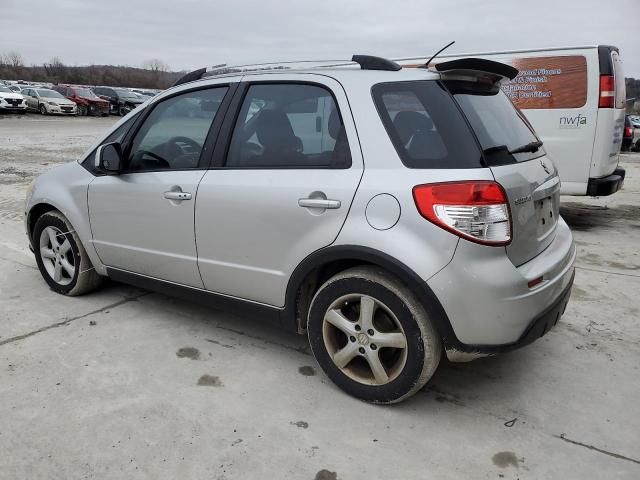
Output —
<point x="14" y="60"/>
<point x="156" y="65"/>
<point x="55" y="68"/>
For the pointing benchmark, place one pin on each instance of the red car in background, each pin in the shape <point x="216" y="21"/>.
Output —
<point x="88" y="102"/>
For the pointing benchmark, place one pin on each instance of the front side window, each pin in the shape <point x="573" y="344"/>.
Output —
<point x="173" y="135"/>
<point x="289" y="126"/>
<point x="116" y="136"/>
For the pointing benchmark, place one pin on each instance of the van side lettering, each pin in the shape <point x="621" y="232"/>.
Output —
<point x="573" y="122"/>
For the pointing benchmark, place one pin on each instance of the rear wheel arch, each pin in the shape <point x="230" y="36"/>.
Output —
<point x="321" y="265"/>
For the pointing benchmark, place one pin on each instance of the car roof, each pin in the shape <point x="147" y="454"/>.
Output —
<point x="349" y="74"/>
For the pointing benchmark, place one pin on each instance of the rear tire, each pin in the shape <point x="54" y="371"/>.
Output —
<point x="372" y="337"/>
<point x="61" y="258"/>
<point x="82" y="111"/>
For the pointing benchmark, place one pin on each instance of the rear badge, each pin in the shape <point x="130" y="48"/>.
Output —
<point x="521" y="200"/>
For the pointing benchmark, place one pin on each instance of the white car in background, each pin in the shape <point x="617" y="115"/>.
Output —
<point x="11" y="101"/>
<point x="47" y="101"/>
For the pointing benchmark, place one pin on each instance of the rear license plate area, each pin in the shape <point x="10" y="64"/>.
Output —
<point x="546" y="214"/>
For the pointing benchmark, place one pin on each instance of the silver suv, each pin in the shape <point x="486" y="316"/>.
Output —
<point x="389" y="213"/>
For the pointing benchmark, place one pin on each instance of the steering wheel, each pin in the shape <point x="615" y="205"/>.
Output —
<point x="174" y="150"/>
<point x="142" y="163"/>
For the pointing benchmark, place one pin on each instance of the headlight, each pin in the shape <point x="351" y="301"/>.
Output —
<point x="53" y="103"/>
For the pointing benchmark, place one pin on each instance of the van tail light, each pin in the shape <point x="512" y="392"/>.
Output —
<point x="607" y="91"/>
<point x="475" y="210"/>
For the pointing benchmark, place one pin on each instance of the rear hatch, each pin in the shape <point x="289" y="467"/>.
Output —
<point x="518" y="162"/>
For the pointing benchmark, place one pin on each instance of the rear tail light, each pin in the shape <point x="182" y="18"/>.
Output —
<point x="628" y="132"/>
<point x="475" y="210"/>
<point x="607" y="91"/>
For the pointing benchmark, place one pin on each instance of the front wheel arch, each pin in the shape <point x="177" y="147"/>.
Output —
<point x="34" y="214"/>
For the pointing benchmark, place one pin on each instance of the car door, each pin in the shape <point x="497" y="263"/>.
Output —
<point x="27" y="93"/>
<point x="142" y="218"/>
<point x="276" y="195"/>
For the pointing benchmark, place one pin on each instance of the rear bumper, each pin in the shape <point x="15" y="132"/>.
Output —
<point x="487" y="300"/>
<point x="601" y="187"/>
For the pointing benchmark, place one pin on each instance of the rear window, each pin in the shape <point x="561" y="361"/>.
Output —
<point x="498" y="125"/>
<point x="425" y="126"/>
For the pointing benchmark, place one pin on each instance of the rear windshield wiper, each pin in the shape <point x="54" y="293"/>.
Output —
<point x="529" y="147"/>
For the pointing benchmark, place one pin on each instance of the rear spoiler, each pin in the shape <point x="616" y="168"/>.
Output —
<point x="475" y="67"/>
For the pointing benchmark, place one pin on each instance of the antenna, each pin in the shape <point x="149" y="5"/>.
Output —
<point x="426" y="65"/>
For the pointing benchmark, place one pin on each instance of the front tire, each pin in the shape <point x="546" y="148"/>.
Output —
<point x="61" y="258"/>
<point x="42" y="109"/>
<point x="372" y="337"/>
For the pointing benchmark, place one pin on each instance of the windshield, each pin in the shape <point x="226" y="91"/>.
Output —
<point x="84" y="92"/>
<point x="49" y="93"/>
<point x="125" y="93"/>
<point x="6" y="90"/>
<point x="499" y="126"/>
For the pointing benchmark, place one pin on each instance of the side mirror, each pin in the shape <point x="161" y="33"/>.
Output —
<point x="109" y="158"/>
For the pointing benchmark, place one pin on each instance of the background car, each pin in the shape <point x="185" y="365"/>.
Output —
<point x="627" y="134"/>
<point x="11" y="101"/>
<point x="87" y="101"/>
<point x="144" y="94"/>
<point x="122" y="100"/>
<point x="46" y="101"/>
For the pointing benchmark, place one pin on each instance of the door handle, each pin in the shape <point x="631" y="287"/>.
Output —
<point x="172" y="195"/>
<point x="319" y="203"/>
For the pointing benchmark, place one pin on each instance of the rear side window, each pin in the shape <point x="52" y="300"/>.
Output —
<point x="289" y="126"/>
<point x="425" y="125"/>
<point x="498" y="125"/>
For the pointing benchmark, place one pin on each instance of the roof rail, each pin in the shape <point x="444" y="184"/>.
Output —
<point x="366" y="62"/>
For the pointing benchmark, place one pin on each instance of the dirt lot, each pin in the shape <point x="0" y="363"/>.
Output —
<point x="130" y="384"/>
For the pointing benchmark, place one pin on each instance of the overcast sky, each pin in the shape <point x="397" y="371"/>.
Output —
<point x="188" y="34"/>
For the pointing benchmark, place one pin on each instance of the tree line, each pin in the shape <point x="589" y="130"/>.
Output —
<point x="153" y="73"/>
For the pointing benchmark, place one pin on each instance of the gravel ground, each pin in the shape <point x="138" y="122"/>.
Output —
<point x="125" y="383"/>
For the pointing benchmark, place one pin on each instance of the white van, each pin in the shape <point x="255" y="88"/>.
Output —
<point x="574" y="98"/>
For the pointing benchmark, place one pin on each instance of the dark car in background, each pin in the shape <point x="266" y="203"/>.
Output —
<point x="627" y="134"/>
<point x="87" y="101"/>
<point x="122" y="100"/>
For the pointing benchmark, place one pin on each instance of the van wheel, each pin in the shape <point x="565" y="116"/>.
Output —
<point x="61" y="258"/>
<point x="372" y="337"/>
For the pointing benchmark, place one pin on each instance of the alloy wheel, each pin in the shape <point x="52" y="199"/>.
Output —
<point x="364" y="339"/>
<point x="57" y="255"/>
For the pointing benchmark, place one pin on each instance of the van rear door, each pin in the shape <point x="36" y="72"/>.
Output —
<point x="518" y="162"/>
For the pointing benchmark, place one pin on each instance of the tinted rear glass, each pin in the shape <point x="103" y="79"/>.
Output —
<point x="425" y="125"/>
<point x="499" y="126"/>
